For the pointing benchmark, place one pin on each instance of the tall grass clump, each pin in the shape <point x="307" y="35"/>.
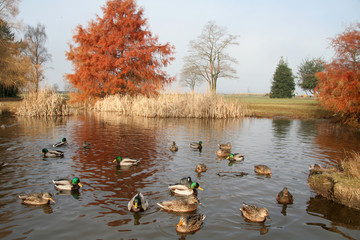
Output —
<point x="192" y="105"/>
<point x="44" y="103"/>
<point x="351" y="166"/>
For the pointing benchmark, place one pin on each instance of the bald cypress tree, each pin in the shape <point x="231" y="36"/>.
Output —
<point x="283" y="84"/>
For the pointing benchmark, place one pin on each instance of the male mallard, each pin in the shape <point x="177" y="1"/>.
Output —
<point x="36" y="198"/>
<point x="285" y="197"/>
<point x="180" y="205"/>
<point x="185" y="190"/>
<point x="226" y="146"/>
<point x="86" y="145"/>
<point x="200" y="168"/>
<point x="173" y="147"/>
<point x="196" y="145"/>
<point x="67" y="184"/>
<point x="254" y="213"/>
<point x="190" y="223"/>
<point x="125" y="161"/>
<point x="263" y="170"/>
<point x="52" y="153"/>
<point x="222" y="153"/>
<point x="62" y="143"/>
<point x="235" y="157"/>
<point x="138" y="203"/>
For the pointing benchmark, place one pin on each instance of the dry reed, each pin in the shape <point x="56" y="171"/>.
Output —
<point x="192" y="105"/>
<point x="351" y="165"/>
<point x="45" y="103"/>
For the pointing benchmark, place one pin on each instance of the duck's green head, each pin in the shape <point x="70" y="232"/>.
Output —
<point x="76" y="181"/>
<point x="195" y="185"/>
<point x="137" y="201"/>
<point x="45" y="150"/>
<point x="63" y="140"/>
<point x="230" y="156"/>
<point x="118" y="159"/>
<point x="200" y="143"/>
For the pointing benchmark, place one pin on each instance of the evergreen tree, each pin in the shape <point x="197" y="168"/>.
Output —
<point x="306" y="74"/>
<point x="283" y="84"/>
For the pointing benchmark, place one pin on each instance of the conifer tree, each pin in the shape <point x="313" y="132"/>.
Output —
<point x="283" y="84"/>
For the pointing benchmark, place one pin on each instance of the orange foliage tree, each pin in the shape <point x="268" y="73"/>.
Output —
<point x="339" y="84"/>
<point x="117" y="53"/>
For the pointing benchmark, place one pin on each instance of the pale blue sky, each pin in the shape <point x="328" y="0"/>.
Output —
<point x="296" y="29"/>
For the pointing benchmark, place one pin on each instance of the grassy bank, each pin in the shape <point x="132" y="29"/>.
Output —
<point x="263" y="106"/>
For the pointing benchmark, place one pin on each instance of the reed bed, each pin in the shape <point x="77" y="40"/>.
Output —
<point x="45" y="103"/>
<point x="351" y="165"/>
<point x="191" y="105"/>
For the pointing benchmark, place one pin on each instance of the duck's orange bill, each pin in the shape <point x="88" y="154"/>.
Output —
<point x="136" y="205"/>
<point x="80" y="184"/>
<point x="180" y="223"/>
<point x="200" y="188"/>
<point x="52" y="200"/>
<point x="114" y="160"/>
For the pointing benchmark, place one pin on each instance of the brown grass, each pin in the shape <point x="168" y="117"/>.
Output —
<point x="191" y="105"/>
<point x="45" y="103"/>
<point x="351" y="165"/>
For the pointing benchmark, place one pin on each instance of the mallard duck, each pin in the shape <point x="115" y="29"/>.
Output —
<point x="86" y="145"/>
<point x="67" y="184"/>
<point x="36" y="198"/>
<point x="125" y="161"/>
<point x="185" y="190"/>
<point x="52" y="153"/>
<point x="2" y="164"/>
<point x="254" y="213"/>
<point x="62" y="143"/>
<point x="263" y="170"/>
<point x="226" y="146"/>
<point x="235" y="157"/>
<point x="190" y="223"/>
<point x="196" y="145"/>
<point x="138" y="203"/>
<point x="200" y="168"/>
<point x="180" y="205"/>
<point x="222" y="153"/>
<point x="173" y="147"/>
<point x="285" y="197"/>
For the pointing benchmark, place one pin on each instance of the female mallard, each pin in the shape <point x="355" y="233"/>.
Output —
<point x="36" y="198"/>
<point x="67" y="184"/>
<point x="125" y="161"/>
<point x="190" y="223"/>
<point x="138" y="203"/>
<point x="52" y="153"/>
<point x="173" y="147"/>
<point x="196" y="145"/>
<point x="263" y="170"/>
<point x="200" y="168"/>
<point x="285" y="197"/>
<point x="254" y="213"/>
<point x="222" y="153"/>
<point x="180" y="205"/>
<point x="185" y="190"/>
<point x="226" y="146"/>
<point x="62" y="143"/>
<point x="235" y="157"/>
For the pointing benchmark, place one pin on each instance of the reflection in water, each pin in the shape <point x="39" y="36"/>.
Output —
<point x="254" y="226"/>
<point x="281" y="128"/>
<point x="74" y="193"/>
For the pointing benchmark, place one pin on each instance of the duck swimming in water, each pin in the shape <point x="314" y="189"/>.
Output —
<point x="284" y="197"/>
<point x="67" y="184"/>
<point x="36" y="198"/>
<point x="180" y="205"/>
<point x="184" y="189"/>
<point x="62" y="143"/>
<point x="196" y="145"/>
<point x="138" y="203"/>
<point x="125" y="161"/>
<point x="190" y="223"/>
<point x="173" y="147"/>
<point x="254" y="213"/>
<point x="235" y="157"/>
<point x="52" y="153"/>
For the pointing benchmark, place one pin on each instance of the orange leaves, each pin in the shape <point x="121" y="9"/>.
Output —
<point x="118" y="54"/>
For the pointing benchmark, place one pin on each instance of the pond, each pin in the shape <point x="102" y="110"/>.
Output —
<point x="99" y="209"/>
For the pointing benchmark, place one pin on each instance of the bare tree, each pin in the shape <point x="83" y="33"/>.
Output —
<point x="189" y="78"/>
<point x="8" y="9"/>
<point x="207" y="59"/>
<point x="37" y="52"/>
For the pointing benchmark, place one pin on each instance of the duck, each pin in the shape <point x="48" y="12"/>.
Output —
<point x="196" y="145"/>
<point x="67" y="184"/>
<point x="125" y="161"/>
<point x="185" y="190"/>
<point x="263" y="170"/>
<point x="235" y="157"/>
<point x="222" y="153"/>
<point x="62" y="143"/>
<point x="52" y="153"/>
<point x="226" y="146"/>
<point x="180" y="205"/>
<point x="3" y="164"/>
<point x="200" y="168"/>
<point x="138" y="203"/>
<point x="284" y="197"/>
<point x="173" y="147"/>
<point x="254" y="213"/>
<point x="37" y="198"/>
<point x="190" y="223"/>
<point x="86" y="145"/>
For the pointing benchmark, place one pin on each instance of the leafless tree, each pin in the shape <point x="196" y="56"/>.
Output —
<point x="207" y="58"/>
<point x="37" y="52"/>
<point x="8" y="9"/>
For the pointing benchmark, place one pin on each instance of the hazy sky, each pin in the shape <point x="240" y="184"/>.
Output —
<point x="296" y="30"/>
